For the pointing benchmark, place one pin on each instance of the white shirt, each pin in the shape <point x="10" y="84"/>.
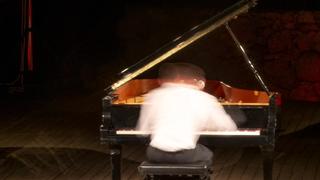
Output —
<point x="174" y="113"/>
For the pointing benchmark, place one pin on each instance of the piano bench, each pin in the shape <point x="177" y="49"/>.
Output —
<point x="153" y="171"/>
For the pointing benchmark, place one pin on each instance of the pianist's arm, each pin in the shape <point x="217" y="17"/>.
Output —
<point x="218" y="119"/>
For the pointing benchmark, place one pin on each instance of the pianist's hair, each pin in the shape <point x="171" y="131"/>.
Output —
<point x="184" y="70"/>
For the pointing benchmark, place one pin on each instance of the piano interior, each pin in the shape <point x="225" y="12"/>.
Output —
<point x="132" y="93"/>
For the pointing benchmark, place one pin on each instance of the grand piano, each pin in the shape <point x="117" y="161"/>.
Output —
<point x="121" y="105"/>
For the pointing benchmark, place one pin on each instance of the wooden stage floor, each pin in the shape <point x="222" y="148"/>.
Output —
<point x="58" y="138"/>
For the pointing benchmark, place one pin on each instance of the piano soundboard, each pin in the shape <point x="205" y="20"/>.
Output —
<point x="138" y="100"/>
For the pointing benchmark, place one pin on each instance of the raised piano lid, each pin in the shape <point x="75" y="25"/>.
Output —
<point x="132" y="93"/>
<point x="181" y="42"/>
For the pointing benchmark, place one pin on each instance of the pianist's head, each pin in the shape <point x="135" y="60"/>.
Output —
<point x="182" y="73"/>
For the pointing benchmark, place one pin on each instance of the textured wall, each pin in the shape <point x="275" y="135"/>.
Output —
<point x="291" y="55"/>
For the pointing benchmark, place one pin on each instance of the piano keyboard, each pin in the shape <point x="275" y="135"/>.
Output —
<point x="246" y="132"/>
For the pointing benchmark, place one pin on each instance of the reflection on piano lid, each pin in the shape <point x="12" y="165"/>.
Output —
<point x="239" y="132"/>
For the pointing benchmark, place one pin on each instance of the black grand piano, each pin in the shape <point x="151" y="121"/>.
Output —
<point x="122" y="103"/>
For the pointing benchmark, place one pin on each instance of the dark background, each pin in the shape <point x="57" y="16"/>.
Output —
<point x="81" y="46"/>
<point x="50" y="118"/>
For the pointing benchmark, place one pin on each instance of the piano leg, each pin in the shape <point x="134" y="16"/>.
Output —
<point x="267" y="153"/>
<point x="115" y="153"/>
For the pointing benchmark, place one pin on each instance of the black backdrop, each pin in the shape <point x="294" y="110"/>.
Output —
<point x="78" y="44"/>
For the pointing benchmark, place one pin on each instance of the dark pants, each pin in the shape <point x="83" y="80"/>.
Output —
<point x="200" y="154"/>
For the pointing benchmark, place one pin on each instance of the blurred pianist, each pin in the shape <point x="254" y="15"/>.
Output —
<point x="176" y="111"/>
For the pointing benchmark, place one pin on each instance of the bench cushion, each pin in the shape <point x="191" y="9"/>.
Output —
<point x="199" y="168"/>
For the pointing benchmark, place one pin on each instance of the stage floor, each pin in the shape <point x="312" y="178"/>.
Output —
<point x="58" y="138"/>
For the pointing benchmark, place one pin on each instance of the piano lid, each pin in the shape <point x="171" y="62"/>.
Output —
<point x="182" y="41"/>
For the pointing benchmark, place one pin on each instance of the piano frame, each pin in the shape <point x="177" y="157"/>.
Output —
<point x="112" y="103"/>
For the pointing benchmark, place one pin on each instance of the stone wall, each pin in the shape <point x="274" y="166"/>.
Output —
<point x="291" y="52"/>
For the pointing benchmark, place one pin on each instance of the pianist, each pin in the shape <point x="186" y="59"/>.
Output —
<point x="176" y="111"/>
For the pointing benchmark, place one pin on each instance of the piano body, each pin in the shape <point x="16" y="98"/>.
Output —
<point x="121" y="106"/>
